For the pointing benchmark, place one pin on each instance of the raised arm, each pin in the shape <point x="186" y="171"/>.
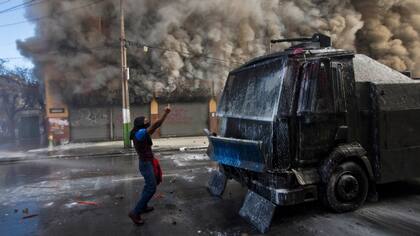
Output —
<point x="159" y="122"/>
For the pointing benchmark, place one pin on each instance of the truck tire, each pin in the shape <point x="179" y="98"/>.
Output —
<point x="346" y="189"/>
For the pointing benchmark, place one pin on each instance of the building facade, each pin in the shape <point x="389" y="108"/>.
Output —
<point x="70" y="123"/>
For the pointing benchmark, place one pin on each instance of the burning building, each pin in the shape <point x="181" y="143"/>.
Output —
<point x="180" y="51"/>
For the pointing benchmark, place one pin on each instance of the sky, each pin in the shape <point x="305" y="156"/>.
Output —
<point x="9" y="34"/>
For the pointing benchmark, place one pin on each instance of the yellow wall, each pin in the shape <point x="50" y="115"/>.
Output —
<point x="53" y="99"/>
<point x="154" y="107"/>
<point x="212" y="105"/>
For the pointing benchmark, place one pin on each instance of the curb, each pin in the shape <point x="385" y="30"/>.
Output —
<point x="87" y="155"/>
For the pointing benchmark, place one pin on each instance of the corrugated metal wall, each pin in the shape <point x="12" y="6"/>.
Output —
<point x="94" y="124"/>
<point x="89" y="124"/>
<point x="186" y="119"/>
<point x="100" y="123"/>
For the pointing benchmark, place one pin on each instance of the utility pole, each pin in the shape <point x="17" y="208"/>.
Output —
<point x="124" y="81"/>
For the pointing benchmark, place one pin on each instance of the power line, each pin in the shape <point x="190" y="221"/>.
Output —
<point x="46" y="17"/>
<point x="138" y="45"/>
<point x="127" y="42"/>
<point x="8" y="44"/>
<point x="99" y="48"/>
<point x="16" y="6"/>
<point x="5" y="1"/>
<point x="13" y="58"/>
<point x="22" y="5"/>
<point x="142" y="45"/>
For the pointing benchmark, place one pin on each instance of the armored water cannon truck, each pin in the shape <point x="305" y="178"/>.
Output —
<point x="314" y="123"/>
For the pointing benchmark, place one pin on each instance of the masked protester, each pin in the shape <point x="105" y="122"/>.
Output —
<point x="140" y="134"/>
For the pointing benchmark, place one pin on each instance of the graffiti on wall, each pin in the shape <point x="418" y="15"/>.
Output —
<point x="89" y="117"/>
<point x="59" y="129"/>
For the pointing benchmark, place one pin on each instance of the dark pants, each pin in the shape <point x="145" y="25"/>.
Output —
<point x="146" y="170"/>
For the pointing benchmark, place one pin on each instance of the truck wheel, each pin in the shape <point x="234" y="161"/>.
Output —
<point x="346" y="189"/>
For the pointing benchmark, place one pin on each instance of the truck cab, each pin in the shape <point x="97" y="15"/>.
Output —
<point x="302" y="125"/>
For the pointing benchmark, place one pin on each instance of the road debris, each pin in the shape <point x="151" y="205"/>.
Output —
<point x="49" y="204"/>
<point x="158" y="196"/>
<point x="70" y="205"/>
<point x="29" y="216"/>
<point x="88" y="203"/>
<point x="40" y="187"/>
<point x="119" y="196"/>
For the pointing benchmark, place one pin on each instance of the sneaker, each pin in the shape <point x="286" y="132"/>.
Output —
<point x="136" y="218"/>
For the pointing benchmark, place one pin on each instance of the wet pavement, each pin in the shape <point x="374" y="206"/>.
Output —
<point x="92" y="196"/>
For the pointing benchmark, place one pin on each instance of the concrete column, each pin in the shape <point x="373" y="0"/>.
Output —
<point x="154" y="115"/>
<point x="213" y="122"/>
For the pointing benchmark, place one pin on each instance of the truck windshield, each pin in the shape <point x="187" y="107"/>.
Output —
<point x="253" y="92"/>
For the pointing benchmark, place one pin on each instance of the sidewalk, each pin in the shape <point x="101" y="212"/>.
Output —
<point x="103" y="148"/>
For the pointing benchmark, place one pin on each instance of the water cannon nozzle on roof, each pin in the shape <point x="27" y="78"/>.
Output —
<point x="318" y="40"/>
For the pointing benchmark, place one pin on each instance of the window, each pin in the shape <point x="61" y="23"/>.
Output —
<point x="338" y="85"/>
<point x="315" y="91"/>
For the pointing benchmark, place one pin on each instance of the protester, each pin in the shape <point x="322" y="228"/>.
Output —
<point x="140" y="134"/>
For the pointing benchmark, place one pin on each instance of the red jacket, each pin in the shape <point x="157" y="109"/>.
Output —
<point x="157" y="170"/>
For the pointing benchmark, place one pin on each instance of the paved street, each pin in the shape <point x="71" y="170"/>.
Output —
<point x="92" y="196"/>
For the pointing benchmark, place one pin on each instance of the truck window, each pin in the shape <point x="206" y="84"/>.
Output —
<point x="315" y="91"/>
<point x="338" y="91"/>
<point x="254" y="92"/>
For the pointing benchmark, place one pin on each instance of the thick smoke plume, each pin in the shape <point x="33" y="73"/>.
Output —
<point x="79" y="49"/>
<point x="391" y="32"/>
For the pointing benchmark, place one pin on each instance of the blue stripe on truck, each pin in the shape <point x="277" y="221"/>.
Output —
<point x="244" y="154"/>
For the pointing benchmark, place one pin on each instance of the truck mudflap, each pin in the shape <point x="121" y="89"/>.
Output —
<point x="241" y="153"/>
<point x="258" y="211"/>
<point x="217" y="183"/>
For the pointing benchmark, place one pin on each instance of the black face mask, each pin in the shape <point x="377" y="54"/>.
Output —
<point x="138" y="124"/>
